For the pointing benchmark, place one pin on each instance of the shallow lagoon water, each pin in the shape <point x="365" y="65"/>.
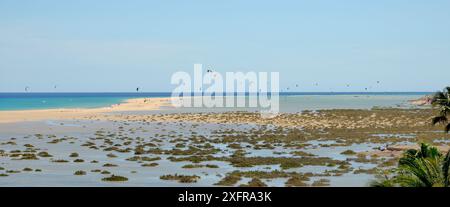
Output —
<point x="299" y="103"/>
<point x="78" y="132"/>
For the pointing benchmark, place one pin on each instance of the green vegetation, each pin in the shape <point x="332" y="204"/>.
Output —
<point x="115" y="178"/>
<point x="255" y="182"/>
<point x="296" y="181"/>
<point x="302" y="154"/>
<point x="181" y="178"/>
<point x="143" y="158"/>
<point x="153" y="164"/>
<point x="111" y="155"/>
<point x="80" y="172"/>
<point x="28" y="145"/>
<point x="73" y="154"/>
<point x="284" y="162"/>
<point x="425" y="167"/>
<point x="188" y="166"/>
<point x="348" y="152"/>
<point x="44" y="154"/>
<point x="105" y="172"/>
<point x="110" y="165"/>
<point x="442" y="101"/>
<point x="60" y="161"/>
<point x="27" y="169"/>
<point x="28" y="156"/>
<point x="229" y="180"/>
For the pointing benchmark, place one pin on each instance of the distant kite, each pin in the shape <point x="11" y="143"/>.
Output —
<point x="27" y="88"/>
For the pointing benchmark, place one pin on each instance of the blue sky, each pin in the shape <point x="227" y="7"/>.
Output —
<point x="112" y="45"/>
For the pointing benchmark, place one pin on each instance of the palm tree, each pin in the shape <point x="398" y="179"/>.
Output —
<point x="441" y="99"/>
<point x="422" y="168"/>
<point x="425" y="167"/>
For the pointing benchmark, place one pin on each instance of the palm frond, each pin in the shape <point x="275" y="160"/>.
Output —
<point x="421" y="167"/>
<point x="426" y="151"/>
<point x="437" y="98"/>
<point x="446" y="168"/>
<point x="407" y="180"/>
<point x="447" y="90"/>
<point x="410" y="153"/>
<point x="433" y="152"/>
<point x="442" y="99"/>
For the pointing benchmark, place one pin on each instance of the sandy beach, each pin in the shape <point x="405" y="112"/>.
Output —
<point x="139" y="104"/>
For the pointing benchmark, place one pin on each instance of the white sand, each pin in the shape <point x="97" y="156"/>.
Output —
<point x="140" y="104"/>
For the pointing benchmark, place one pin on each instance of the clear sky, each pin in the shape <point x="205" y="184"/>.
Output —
<point x="109" y="45"/>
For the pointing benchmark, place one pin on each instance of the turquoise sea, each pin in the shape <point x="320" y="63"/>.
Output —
<point x="293" y="101"/>
<point x="30" y="101"/>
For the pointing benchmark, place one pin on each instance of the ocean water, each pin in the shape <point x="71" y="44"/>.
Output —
<point x="289" y="102"/>
<point x="30" y="101"/>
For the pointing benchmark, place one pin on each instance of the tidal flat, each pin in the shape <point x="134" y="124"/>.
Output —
<point x="337" y="147"/>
